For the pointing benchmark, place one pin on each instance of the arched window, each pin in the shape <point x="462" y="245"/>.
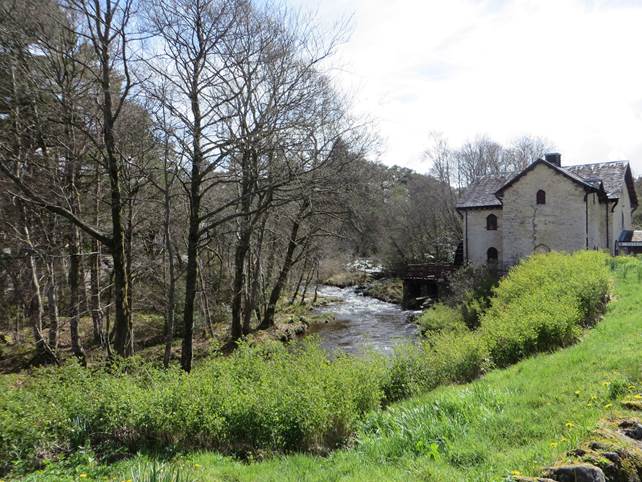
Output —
<point x="492" y="255"/>
<point x="491" y="222"/>
<point x="541" y="197"/>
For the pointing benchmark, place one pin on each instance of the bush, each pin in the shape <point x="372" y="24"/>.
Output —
<point x="543" y="303"/>
<point x="409" y="373"/>
<point x="270" y="398"/>
<point x="458" y="359"/>
<point x="470" y="290"/>
<point x="441" y="318"/>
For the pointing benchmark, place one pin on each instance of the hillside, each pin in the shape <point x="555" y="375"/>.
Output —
<point x="512" y="421"/>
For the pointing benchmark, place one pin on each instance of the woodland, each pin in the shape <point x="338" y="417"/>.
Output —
<point x="194" y="160"/>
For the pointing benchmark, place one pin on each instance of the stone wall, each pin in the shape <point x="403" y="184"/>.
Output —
<point x="558" y="225"/>
<point x="479" y="238"/>
<point x="621" y="217"/>
<point x="596" y="222"/>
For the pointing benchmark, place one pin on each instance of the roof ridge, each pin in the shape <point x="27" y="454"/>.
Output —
<point x="619" y="161"/>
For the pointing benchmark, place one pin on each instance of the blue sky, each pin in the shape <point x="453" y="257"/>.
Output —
<point x="567" y="70"/>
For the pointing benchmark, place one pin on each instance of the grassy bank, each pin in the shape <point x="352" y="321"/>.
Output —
<point x="520" y="418"/>
<point x="515" y="420"/>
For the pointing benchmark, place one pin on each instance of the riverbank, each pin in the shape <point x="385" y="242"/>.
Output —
<point x="514" y="421"/>
<point x="291" y="321"/>
<point x="277" y="392"/>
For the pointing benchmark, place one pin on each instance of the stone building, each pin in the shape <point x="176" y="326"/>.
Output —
<point x="547" y="207"/>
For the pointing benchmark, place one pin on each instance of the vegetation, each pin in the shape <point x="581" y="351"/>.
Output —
<point x="514" y="420"/>
<point x="541" y="305"/>
<point x="268" y="398"/>
<point x="389" y="290"/>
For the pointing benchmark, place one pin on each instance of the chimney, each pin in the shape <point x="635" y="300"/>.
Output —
<point x="554" y="158"/>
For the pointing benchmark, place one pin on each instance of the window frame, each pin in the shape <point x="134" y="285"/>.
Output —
<point x="491" y="222"/>
<point x="540" y="197"/>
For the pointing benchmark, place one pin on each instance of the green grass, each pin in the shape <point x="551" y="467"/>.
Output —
<point x="521" y="419"/>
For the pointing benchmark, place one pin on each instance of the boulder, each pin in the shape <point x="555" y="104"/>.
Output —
<point x="576" y="473"/>
<point x="632" y="429"/>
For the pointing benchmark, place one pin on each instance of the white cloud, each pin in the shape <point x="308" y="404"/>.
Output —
<point x="568" y="70"/>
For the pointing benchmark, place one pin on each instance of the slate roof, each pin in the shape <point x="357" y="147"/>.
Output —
<point x="612" y="174"/>
<point x="614" y="177"/>
<point x="481" y="193"/>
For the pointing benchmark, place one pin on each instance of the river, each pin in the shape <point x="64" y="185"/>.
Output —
<point x="362" y="323"/>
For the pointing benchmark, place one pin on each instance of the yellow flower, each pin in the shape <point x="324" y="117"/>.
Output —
<point x="608" y="405"/>
<point x="569" y="424"/>
<point x="637" y="396"/>
<point x="516" y="473"/>
<point x="593" y="397"/>
<point x="197" y="466"/>
<point x="577" y="393"/>
<point x="83" y="475"/>
<point x="606" y="383"/>
<point x="553" y="445"/>
<point x="563" y="439"/>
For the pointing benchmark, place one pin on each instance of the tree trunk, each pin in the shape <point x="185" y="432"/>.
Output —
<point x="190" y="280"/>
<point x="268" y="319"/>
<point x="74" y="294"/>
<point x="298" y="284"/>
<point x="96" y="309"/>
<point x="123" y="330"/>
<point x="316" y="285"/>
<point x="52" y="306"/>
<point x="171" y="289"/>
<point x="242" y="247"/>
<point x="255" y="274"/>
<point x="205" y="304"/>
<point x="308" y="279"/>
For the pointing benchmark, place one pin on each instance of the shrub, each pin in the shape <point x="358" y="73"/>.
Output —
<point x="533" y="323"/>
<point x="441" y="318"/>
<point x="269" y="398"/>
<point x="470" y="290"/>
<point x="543" y="303"/>
<point x="458" y="359"/>
<point x="408" y="374"/>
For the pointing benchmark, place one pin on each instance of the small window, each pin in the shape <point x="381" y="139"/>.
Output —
<point x="541" y="197"/>
<point x="492" y="255"/>
<point x="491" y="222"/>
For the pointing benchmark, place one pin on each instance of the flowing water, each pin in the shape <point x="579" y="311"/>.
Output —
<point x="362" y="323"/>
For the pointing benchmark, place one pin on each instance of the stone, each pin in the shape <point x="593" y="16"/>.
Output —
<point x="598" y="446"/>
<point x="613" y="457"/>
<point x="632" y="429"/>
<point x="577" y="453"/>
<point x="576" y="473"/>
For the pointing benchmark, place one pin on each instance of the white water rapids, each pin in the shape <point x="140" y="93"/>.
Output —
<point x="362" y="323"/>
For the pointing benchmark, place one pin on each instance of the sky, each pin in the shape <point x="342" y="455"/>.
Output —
<point x="566" y="70"/>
